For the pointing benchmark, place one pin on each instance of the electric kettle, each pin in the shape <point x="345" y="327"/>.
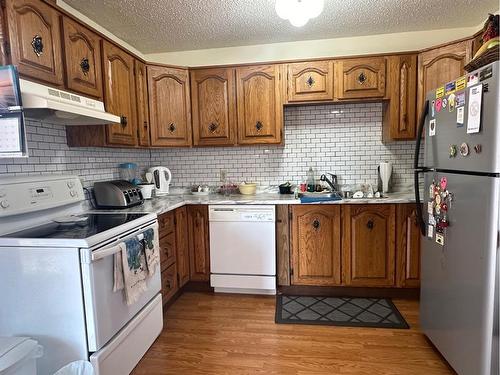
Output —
<point x="161" y="179"/>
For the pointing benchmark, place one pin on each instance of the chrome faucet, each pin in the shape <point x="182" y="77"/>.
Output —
<point x="332" y="183"/>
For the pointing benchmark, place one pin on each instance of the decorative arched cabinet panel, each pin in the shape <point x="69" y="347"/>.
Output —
<point x="260" y="112"/>
<point x="360" y="78"/>
<point x="35" y="40"/>
<point x="141" y="89"/>
<point x="310" y="81"/>
<point x="119" y="94"/>
<point x="368" y="245"/>
<point x="169" y="106"/>
<point x="316" y="245"/>
<point x="214" y="107"/>
<point x="400" y="117"/>
<point x="83" y="59"/>
<point x="439" y="65"/>
<point x="408" y="246"/>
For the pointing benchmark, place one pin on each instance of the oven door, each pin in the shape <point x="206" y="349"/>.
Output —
<point x="106" y="312"/>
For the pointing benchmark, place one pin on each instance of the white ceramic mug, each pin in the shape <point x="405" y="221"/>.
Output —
<point x="147" y="190"/>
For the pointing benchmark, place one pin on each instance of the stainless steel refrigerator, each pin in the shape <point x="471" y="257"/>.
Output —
<point x="459" y="218"/>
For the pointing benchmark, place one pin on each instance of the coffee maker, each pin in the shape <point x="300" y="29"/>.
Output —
<point x="385" y="177"/>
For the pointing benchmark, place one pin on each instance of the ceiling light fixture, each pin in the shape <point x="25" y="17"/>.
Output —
<point x="299" y="12"/>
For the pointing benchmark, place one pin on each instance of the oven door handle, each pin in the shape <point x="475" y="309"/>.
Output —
<point x="103" y="253"/>
<point x="114" y="246"/>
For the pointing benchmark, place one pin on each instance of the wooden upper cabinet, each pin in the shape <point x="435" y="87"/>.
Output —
<point x="213" y="94"/>
<point x="440" y="65"/>
<point x="198" y="241"/>
<point x="169" y="106"/>
<point x="35" y="40"/>
<point x="141" y="89"/>
<point x="368" y="245"/>
<point x="82" y="53"/>
<point x="400" y="117"/>
<point x="316" y="245"/>
<point x="408" y="246"/>
<point x="360" y="78"/>
<point x="181" y="241"/>
<point x="259" y="103"/>
<point x="310" y="81"/>
<point x="119" y="94"/>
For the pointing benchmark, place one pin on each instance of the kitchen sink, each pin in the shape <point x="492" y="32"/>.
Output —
<point x="323" y="194"/>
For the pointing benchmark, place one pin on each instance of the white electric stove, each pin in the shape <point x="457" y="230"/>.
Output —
<point x="57" y="277"/>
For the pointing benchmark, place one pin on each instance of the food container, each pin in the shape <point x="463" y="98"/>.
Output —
<point x="147" y="190"/>
<point x="128" y="172"/>
<point x="248" y="188"/>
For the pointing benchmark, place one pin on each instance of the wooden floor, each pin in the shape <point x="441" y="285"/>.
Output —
<point x="234" y="334"/>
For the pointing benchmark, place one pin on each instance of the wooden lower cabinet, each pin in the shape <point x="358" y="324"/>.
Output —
<point x="198" y="240"/>
<point x="316" y="245"/>
<point x="181" y="241"/>
<point x="174" y="256"/>
<point x="169" y="285"/>
<point x="408" y="247"/>
<point x="368" y="245"/>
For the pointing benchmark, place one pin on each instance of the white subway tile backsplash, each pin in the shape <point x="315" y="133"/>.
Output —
<point x="344" y="139"/>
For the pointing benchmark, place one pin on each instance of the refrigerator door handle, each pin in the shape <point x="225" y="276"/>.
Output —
<point x="420" y="131"/>
<point x="418" y="169"/>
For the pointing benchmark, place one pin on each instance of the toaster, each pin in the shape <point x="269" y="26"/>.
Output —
<point x="117" y="194"/>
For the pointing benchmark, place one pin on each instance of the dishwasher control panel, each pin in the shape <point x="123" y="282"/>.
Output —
<point x="256" y="213"/>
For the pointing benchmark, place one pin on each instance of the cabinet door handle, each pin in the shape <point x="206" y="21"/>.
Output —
<point x="37" y="44"/>
<point x="258" y="126"/>
<point x="370" y="224"/>
<point x="361" y="78"/>
<point x="123" y="121"/>
<point x="316" y="224"/>
<point x="310" y="81"/>
<point x="213" y="127"/>
<point x="145" y="125"/>
<point x="171" y="127"/>
<point x="85" y="65"/>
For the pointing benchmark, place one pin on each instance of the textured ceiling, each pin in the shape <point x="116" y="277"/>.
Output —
<point x="178" y="25"/>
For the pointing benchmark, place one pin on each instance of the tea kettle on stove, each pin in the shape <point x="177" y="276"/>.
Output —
<point x="161" y="178"/>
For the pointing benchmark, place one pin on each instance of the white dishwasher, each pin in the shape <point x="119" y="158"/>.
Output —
<point x="243" y="249"/>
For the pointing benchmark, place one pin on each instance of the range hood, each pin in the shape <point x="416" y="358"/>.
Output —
<point x="61" y="107"/>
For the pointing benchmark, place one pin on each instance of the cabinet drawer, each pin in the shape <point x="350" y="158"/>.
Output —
<point x="167" y="252"/>
<point x="166" y="224"/>
<point x="168" y="283"/>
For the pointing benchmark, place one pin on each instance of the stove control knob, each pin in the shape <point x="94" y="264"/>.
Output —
<point x="4" y="204"/>
<point x="72" y="193"/>
<point x="2" y="193"/>
<point x="70" y="184"/>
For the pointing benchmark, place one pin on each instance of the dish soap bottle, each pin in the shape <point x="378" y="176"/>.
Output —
<point x="310" y="180"/>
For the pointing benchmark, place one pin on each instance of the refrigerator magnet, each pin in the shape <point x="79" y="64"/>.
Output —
<point x="460" y="83"/>
<point x="433" y="109"/>
<point x="432" y="220"/>
<point x="450" y="88"/>
<point x="432" y="128"/>
<point x="444" y="103"/>
<point x="460" y="116"/>
<point x="474" y="110"/>
<point x="451" y="102"/>
<point x="439" y="104"/>
<point x="460" y="99"/>
<point x="430" y="208"/>
<point x="473" y="79"/>
<point x="430" y="231"/>
<point x="439" y="239"/>
<point x="440" y="92"/>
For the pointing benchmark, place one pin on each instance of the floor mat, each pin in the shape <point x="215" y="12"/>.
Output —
<point x="339" y="311"/>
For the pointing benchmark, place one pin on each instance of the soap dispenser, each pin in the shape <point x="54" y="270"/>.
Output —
<point x="311" y="182"/>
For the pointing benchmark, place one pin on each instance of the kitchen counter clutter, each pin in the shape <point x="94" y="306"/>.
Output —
<point x="161" y="205"/>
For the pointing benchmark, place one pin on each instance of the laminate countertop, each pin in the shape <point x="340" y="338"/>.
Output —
<point x="160" y="205"/>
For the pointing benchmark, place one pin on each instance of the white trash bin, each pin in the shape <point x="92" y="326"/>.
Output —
<point x="18" y="355"/>
<point x="77" y="368"/>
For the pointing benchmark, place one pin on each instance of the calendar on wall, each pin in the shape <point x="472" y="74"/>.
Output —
<point x="12" y="131"/>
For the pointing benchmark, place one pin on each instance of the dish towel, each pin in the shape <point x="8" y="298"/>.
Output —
<point x="133" y="270"/>
<point x="152" y="250"/>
